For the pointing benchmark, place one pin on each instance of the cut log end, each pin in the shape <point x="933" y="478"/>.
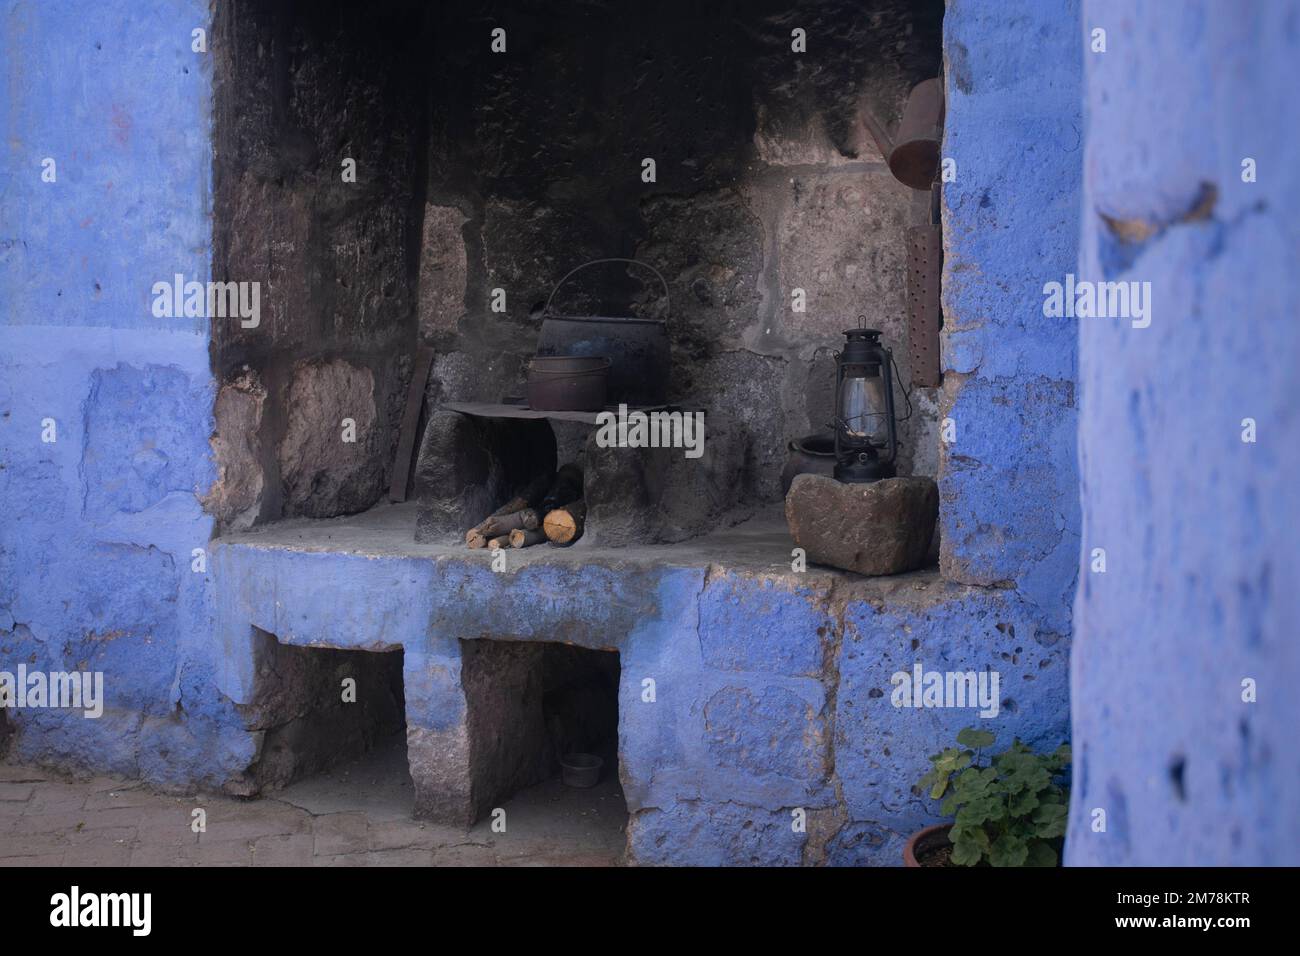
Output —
<point x="564" y="525"/>
<point x="521" y="538"/>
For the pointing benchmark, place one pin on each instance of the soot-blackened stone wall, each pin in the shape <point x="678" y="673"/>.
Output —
<point x="479" y="171"/>
<point x="1185" y="667"/>
<point x="318" y="169"/>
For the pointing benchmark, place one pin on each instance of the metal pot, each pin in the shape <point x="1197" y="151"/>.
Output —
<point x="913" y="152"/>
<point x="810" y="455"/>
<point x="567" y="383"/>
<point x="637" y="349"/>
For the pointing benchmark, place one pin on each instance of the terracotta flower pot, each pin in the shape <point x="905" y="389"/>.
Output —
<point x="923" y="841"/>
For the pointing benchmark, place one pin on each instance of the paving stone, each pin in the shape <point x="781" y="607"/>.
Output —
<point x="43" y="859"/>
<point x="16" y="792"/>
<point x="341" y="833"/>
<point x="13" y="773"/>
<point x="411" y="856"/>
<point x="283" y="850"/>
<point x="112" y="854"/>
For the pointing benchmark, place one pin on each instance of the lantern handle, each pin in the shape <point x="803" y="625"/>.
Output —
<point x="668" y="306"/>
<point x="907" y="394"/>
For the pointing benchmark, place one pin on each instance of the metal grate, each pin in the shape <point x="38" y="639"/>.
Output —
<point x="924" y="315"/>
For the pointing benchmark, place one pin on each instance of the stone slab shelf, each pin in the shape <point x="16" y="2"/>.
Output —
<point x="512" y="410"/>
<point x="746" y="690"/>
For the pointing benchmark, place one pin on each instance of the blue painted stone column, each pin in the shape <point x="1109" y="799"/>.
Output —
<point x="106" y="408"/>
<point x="1186" y="661"/>
<point x="1008" y="485"/>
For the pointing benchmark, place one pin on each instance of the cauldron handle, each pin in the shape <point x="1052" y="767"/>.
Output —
<point x="595" y="262"/>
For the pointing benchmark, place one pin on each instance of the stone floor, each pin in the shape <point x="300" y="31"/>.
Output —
<point x="358" y="815"/>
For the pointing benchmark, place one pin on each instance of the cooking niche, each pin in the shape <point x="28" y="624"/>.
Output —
<point x="588" y="288"/>
<point x="640" y="474"/>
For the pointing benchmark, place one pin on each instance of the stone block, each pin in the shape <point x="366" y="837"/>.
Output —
<point x="236" y="497"/>
<point x="140" y="441"/>
<point x="324" y="475"/>
<point x="841" y="240"/>
<point x="747" y="624"/>
<point x="468" y="467"/>
<point x="768" y="731"/>
<point x="709" y="248"/>
<point x="881" y="745"/>
<point x="749" y="390"/>
<point x="651" y="495"/>
<point x="443" y="270"/>
<point x="714" y="834"/>
<point x="884" y="527"/>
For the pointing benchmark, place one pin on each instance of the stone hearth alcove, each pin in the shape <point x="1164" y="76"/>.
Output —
<point x="748" y="689"/>
<point x="530" y="704"/>
<point x="317" y="707"/>
<point x="392" y="182"/>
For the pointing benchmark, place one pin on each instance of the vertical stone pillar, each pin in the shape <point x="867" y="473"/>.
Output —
<point x="1007" y="475"/>
<point x="1185" y="664"/>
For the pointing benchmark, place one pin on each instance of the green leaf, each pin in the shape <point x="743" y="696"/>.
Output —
<point x="976" y="835"/>
<point x="1050" y="820"/>
<point x="1041" y="854"/>
<point x="975" y="738"/>
<point x="1027" y="775"/>
<point x="966" y="853"/>
<point x="979" y="811"/>
<point x="1008" y="850"/>
<point x="951" y="759"/>
<point x="974" y="781"/>
<point x="1022" y="804"/>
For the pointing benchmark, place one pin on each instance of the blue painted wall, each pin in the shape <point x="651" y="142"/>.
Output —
<point x="99" y="525"/>
<point x="774" y="695"/>
<point x="1202" y="584"/>
<point x="1008" y="483"/>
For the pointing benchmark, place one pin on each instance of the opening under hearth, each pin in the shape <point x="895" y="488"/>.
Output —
<point x="532" y="709"/>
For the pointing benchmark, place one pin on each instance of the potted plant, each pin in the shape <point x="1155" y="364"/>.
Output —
<point x="1009" y="810"/>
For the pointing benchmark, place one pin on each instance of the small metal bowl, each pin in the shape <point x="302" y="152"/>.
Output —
<point x="580" y="770"/>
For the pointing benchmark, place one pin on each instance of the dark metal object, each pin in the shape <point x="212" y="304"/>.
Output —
<point x="866" y="434"/>
<point x="924" y="313"/>
<point x="810" y="455"/>
<point x="410" y="421"/>
<point x="637" y="349"/>
<point x="580" y="770"/>
<point x="567" y="383"/>
<point x="913" y="152"/>
<point x="521" y="411"/>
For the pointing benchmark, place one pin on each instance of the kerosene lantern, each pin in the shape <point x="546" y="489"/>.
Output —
<point x="866" y="436"/>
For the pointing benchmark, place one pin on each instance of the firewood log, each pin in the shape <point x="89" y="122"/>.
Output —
<point x="563" y="526"/>
<point x="521" y="538"/>
<point x="498" y="525"/>
<point x="567" y="487"/>
<point x="475" y="538"/>
<point x="532" y="520"/>
<point x="502" y="542"/>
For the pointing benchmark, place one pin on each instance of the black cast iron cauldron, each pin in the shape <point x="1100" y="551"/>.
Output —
<point x="637" y="349"/>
